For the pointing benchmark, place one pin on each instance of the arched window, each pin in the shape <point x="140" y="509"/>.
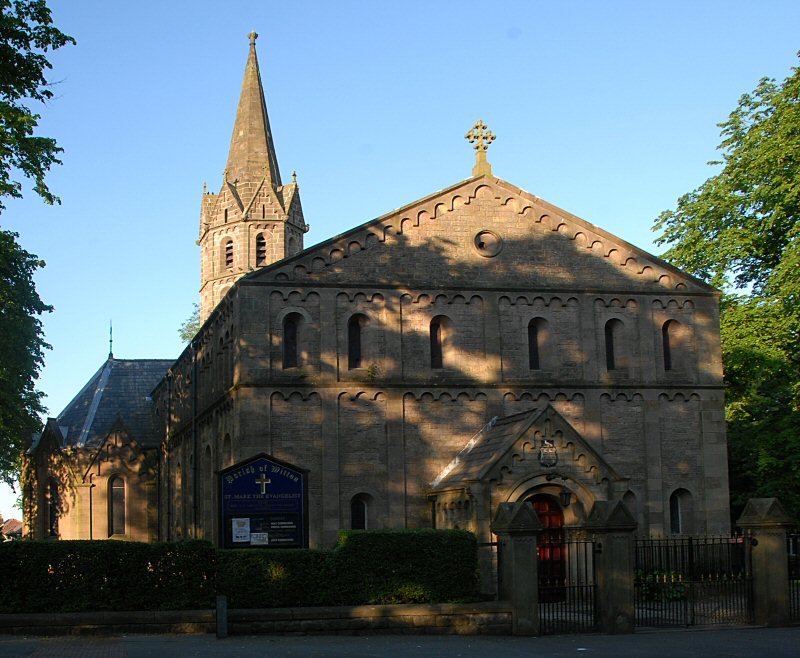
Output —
<point x="680" y="512"/>
<point x="675" y="345"/>
<point x="355" y="327"/>
<point x="261" y="250"/>
<point x="292" y="247"/>
<point x="229" y="254"/>
<point x="116" y="506"/>
<point x="666" y="343"/>
<point x="359" y="512"/>
<point x="53" y="507"/>
<point x="441" y="337"/>
<point x="291" y="329"/>
<point x="538" y="343"/>
<point x="613" y="335"/>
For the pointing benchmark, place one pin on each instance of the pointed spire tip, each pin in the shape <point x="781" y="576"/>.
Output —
<point x="253" y="36"/>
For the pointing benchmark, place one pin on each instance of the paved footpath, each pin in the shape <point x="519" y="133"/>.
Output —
<point x="749" y="642"/>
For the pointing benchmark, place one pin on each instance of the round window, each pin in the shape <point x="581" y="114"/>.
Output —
<point x="488" y="243"/>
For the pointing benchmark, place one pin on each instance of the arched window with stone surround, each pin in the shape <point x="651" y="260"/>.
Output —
<point x="667" y="343"/>
<point x="681" y="512"/>
<point x="359" y="512"/>
<point x="441" y="337"/>
<point x="613" y="344"/>
<point x="116" y="506"/>
<point x="539" y="343"/>
<point x="261" y="250"/>
<point x="355" y="340"/>
<point x="291" y="330"/>
<point x="675" y="344"/>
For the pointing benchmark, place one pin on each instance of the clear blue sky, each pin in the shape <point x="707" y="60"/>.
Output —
<point x="607" y="109"/>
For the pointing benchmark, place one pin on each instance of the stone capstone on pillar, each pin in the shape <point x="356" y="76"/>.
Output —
<point x="516" y="526"/>
<point x="765" y="523"/>
<point x="612" y="526"/>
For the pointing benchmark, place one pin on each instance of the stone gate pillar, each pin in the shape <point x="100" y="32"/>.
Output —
<point x="765" y="520"/>
<point x="516" y="526"/>
<point x="613" y="526"/>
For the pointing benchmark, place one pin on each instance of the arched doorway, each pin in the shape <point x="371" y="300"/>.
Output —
<point x="550" y="550"/>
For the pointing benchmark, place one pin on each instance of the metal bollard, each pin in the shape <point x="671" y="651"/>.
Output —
<point x="222" y="617"/>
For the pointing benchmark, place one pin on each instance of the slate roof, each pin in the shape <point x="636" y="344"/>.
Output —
<point x="485" y="448"/>
<point x="120" y="388"/>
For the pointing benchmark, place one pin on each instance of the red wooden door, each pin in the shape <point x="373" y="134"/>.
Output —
<point x="550" y="547"/>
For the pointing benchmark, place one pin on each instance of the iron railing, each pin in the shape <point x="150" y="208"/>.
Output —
<point x="689" y="581"/>
<point x="566" y="587"/>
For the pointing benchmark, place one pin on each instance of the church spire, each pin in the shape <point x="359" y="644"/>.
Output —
<point x="255" y="219"/>
<point x="252" y="153"/>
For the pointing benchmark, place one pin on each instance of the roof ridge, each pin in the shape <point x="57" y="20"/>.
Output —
<point x="98" y="395"/>
<point x="84" y="388"/>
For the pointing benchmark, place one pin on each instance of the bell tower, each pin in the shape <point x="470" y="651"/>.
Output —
<point x="254" y="220"/>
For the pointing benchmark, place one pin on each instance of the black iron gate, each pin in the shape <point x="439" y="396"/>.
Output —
<point x="693" y="581"/>
<point x="566" y="586"/>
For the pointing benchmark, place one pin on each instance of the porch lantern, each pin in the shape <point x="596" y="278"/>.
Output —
<point x="565" y="497"/>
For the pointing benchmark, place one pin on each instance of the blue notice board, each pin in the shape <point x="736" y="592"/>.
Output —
<point x="263" y="504"/>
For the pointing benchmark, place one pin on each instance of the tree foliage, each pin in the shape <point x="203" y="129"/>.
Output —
<point x="21" y="352"/>
<point x="26" y="35"/>
<point x="740" y="230"/>
<point x="191" y="325"/>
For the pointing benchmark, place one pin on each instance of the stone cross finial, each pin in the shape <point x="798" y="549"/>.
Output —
<point x="481" y="138"/>
<point x="253" y="36"/>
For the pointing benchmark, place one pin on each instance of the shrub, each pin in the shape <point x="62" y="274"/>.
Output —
<point x="408" y="566"/>
<point x="262" y="578"/>
<point x="74" y="576"/>
<point x="383" y="566"/>
<point x="373" y="566"/>
<point x="661" y="586"/>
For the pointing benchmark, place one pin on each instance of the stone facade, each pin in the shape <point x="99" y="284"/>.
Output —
<point x="418" y="365"/>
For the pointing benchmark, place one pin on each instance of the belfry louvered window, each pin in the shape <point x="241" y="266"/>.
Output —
<point x="229" y="254"/>
<point x="261" y="250"/>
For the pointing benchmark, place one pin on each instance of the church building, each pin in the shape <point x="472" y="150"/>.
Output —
<point x="476" y="346"/>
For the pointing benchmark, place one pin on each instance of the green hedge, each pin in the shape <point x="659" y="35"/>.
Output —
<point x="383" y="566"/>
<point x="374" y="566"/>
<point x="281" y="578"/>
<point x="75" y="576"/>
<point x="407" y="566"/>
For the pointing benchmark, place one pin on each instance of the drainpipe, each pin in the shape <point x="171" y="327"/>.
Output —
<point x="91" y="510"/>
